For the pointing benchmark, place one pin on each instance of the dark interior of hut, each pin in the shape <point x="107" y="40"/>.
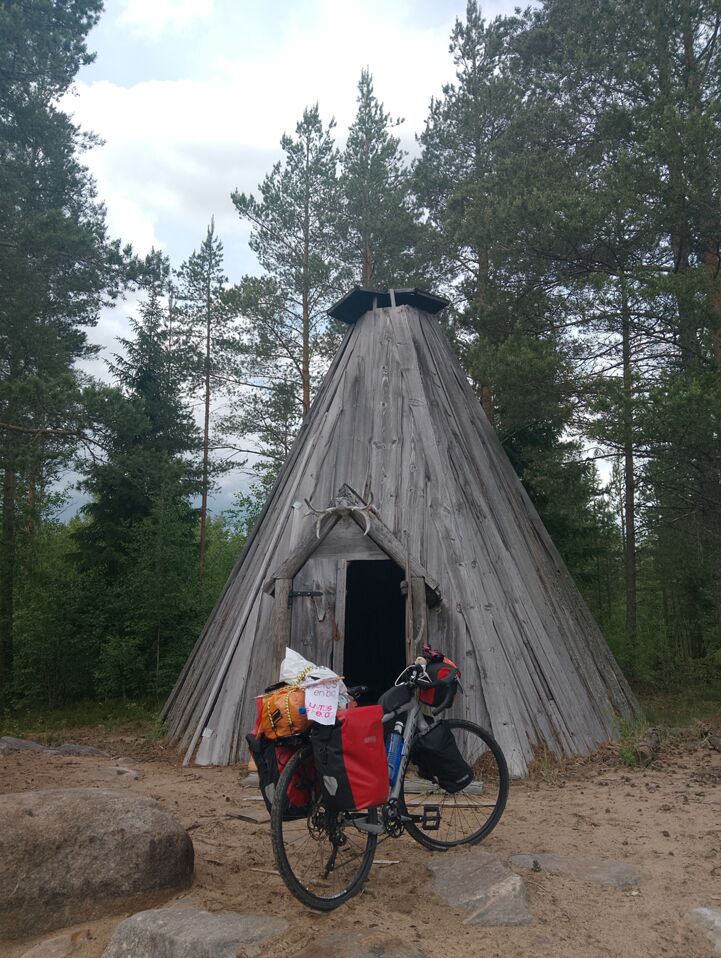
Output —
<point x="374" y="651"/>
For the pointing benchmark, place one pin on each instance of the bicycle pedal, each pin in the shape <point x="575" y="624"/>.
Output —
<point x="431" y="820"/>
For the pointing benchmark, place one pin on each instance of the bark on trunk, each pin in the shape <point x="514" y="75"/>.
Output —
<point x="206" y="442"/>
<point x="7" y="577"/>
<point x="629" y="479"/>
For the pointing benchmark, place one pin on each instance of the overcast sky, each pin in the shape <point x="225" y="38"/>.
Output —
<point x="191" y="98"/>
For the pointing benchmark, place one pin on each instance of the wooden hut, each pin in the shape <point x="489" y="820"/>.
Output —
<point x="415" y="528"/>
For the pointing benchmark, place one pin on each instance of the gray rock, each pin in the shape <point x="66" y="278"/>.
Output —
<point x="600" y="872"/>
<point x="345" y="944"/>
<point x="184" y="931"/>
<point x="479" y="883"/>
<point x="67" y="855"/>
<point x="708" y="921"/>
<point x="10" y="744"/>
<point x="70" y="748"/>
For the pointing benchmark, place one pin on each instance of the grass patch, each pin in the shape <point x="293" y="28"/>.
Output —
<point x="107" y="715"/>
<point x="680" y="708"/>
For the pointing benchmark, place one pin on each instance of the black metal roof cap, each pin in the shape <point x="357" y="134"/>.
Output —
<point x="359" y="300"/>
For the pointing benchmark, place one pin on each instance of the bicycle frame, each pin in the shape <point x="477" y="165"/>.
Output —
<point x="415" y="719"/>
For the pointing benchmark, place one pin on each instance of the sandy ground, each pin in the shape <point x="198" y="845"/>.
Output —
<point x="665" y="820"/>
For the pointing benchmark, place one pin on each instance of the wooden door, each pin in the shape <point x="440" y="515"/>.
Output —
<point x="313" y="627"/>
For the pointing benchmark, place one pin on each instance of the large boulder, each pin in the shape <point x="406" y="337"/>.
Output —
<point x="72" y="854"/>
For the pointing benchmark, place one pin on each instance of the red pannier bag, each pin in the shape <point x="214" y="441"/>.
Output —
<point x="270" y="759"/>
<point x="350" y="759"/>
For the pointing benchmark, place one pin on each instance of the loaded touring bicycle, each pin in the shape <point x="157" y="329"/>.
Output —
<point x="380" y="771"/>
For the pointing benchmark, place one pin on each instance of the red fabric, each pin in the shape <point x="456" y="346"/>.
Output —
<point x="364" y="754"/>
<point x="300" y="789"/>
<point x="428" y="696"/>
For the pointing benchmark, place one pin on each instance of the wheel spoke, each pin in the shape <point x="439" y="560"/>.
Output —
<point x="322" y="857"/>
<point x="467" y="816"/>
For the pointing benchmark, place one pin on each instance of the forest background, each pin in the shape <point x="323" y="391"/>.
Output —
<point x="565" y="196"/>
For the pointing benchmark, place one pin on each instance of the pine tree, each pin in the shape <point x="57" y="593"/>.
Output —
<point x="56" y="266"/>
<point x="377" y="230"/>
<point x="294" y="236"/>
<point x="208" y="327"/>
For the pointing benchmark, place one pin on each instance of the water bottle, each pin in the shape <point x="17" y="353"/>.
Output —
<point x="394" y="751"/>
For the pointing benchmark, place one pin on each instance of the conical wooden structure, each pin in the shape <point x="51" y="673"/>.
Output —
<point x="398" y="450"/>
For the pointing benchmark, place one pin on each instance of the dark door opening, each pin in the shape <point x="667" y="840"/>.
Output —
<point x="374" y="650"/>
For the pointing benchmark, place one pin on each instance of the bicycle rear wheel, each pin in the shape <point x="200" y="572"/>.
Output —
<point x="441" y="820"/>
<point x="323" y="858"/>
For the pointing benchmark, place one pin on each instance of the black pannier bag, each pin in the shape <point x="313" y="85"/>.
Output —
<point x="270" y="759"/>
<point x="438" y="758"/>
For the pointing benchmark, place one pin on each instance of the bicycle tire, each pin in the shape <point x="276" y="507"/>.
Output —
<point x="489" y="790"/>
<point x="299" y="855"/>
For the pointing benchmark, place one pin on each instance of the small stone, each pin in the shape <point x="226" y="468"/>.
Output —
<point x="116" y="774"/>
<point x="481" y="885"/>
<point x="602" y="872"/>
<point x="184" y="931"/>
<point x="708" y="921"/>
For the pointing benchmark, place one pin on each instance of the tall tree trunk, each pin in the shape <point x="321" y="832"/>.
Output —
<point x="629" y="479"/>
<point x="367" y="263"/>
<point x="7" y="575"/>
<point x="206" y="441"/>
<point x="481" y="292"/>
<point x="305" y="364"/>
<point x="306" y="353"/>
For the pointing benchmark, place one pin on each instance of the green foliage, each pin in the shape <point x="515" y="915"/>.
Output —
<point x="377" y="227"/>
<point x="565" y="198"/>
<point x="52" y="724"/>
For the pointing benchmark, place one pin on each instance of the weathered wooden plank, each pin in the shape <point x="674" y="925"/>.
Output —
<point x="341" y="586"/>
<point x="420" y="615"/>
<point x="347" y="541"/>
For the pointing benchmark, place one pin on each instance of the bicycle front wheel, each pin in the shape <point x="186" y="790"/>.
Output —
<point x="323" y="858"/>
<point x="441" y="820"/>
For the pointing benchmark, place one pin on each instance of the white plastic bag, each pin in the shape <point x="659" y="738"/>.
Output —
<point x="294" y="665"/>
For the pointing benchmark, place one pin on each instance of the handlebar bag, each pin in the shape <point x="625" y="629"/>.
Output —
<point x="350" y="759"/>
<point x="441" y="671"/>
<point x="438" y="758"/>
<point x="270" y="759"/>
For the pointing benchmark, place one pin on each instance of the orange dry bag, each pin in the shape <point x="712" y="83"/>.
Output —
<point x="282" y="713"/>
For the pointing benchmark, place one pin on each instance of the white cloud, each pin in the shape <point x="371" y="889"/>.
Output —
<point x="154" y="17"/>
<point x="175" y="148"/>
